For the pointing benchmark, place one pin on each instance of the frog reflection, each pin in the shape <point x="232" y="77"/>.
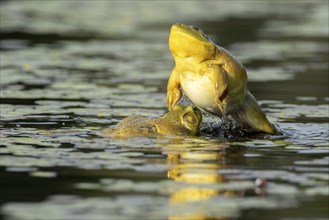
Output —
<point x="200" y="171"/>
<point x="179" y="121"/>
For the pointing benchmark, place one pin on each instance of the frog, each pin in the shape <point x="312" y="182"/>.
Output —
<point x="212" y="79"/>
<point x="179" y="121"/>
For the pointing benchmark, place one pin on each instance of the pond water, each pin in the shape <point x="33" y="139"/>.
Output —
<point x="70" y="69"/>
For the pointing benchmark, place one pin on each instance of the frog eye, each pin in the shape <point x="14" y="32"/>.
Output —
<point x="195" y="109"/>
<point x="190" y="118"/>
<point x="193" y="28"/>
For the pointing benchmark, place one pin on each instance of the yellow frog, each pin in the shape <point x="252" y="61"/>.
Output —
<point x="212" y="78"/>
<point x="179" y="121"/>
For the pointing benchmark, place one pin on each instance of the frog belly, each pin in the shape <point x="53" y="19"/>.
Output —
<point x="202" y="93"/>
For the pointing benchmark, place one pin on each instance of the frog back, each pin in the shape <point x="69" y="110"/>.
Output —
<point x="133" y="126"/>
<point x="170" y="124"/>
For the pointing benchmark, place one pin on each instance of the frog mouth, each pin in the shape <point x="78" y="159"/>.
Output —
<point x="182" y="28"/>
<point x="189" y="31"/>
<point x="179" y="27"/>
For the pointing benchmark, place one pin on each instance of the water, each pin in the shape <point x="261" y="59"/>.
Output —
<point x="68" y="74"/>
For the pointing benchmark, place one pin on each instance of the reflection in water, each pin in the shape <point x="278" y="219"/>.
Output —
<point x="62" y="71"/>
<point x="200" y="170"/>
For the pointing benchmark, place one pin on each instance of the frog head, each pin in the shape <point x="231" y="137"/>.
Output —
<point x="190" y="117"/>
<point x="187" y="41"/>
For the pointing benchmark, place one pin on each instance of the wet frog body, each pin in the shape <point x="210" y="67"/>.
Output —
<point x="179" y="121"/>
<point x="212" y="79"/>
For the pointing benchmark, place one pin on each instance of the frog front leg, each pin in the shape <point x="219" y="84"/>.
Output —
<point x="174" y="94"/>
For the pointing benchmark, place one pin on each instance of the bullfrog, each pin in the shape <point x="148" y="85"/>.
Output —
<point x="212" y="78"/>
<point x="178" y="121"/>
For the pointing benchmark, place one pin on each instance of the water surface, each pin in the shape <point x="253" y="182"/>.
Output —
<point x="66" y="75"/>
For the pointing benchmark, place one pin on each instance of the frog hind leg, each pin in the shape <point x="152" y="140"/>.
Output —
<point x="251" y="115"/>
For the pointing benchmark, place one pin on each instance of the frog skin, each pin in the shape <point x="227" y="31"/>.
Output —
<point x="212" y="78"/>
<point x="179" y="121"/>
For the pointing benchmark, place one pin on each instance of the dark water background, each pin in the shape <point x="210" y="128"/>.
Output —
<point x="69" y="69"/>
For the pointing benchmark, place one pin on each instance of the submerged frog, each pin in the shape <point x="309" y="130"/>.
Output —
<point x="178" y="121"/>
<point x="212" y="78"/>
